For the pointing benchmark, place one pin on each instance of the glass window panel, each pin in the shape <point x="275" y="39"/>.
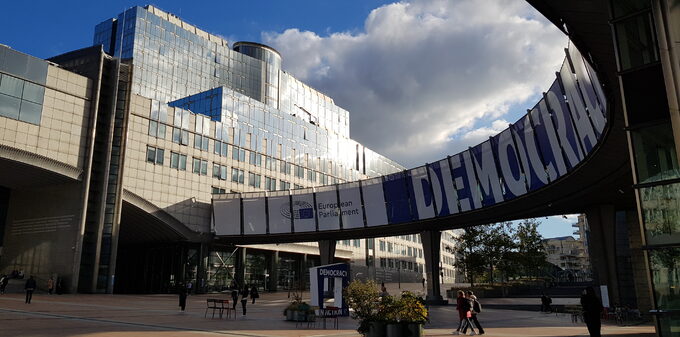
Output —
<point x="9" y="106"/>
<point x="161" y="131"/>
<point x="661" y="213"/>
<point x="150" y="154"/>
<point x="655" y="156"/>
<point x="153" y="128"/>
<point x="182" y="162"/>
<point x="216" y="170"/>
<point x="30" y="112"/>
<point x="33" y="93"/>
<point x="174" y="160"/>
<point x="665" y="265"/>
<point x="204" y="167"/>
<point x="160" y="154"/>
<point x="11" y="86"/>
<point x="636" y="42"/>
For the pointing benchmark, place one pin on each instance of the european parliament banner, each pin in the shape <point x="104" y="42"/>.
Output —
<point x="543" y="146"/>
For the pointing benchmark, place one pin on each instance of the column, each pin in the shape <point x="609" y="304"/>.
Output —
<point x="602" y="247"/>
<point x="431" y="251"/>
<point x="273" y="270"/>
<point x="201" y="279"/>
<point x="327" y="251"/>
<point x="240" y="273"/>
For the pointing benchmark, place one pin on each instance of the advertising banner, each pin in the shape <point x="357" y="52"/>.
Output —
<point x="327" y="208"/>
<point x="374" y="202"/>
<point x="396" y="198"/>
<point x="254" y="214"/>
<point x="351" y="210"/>
<point x="422" y="192"/>
<point x="487" y="174"/>
<point x="278" y="205"/>
<point x="303" y="210"/>
<point x="505" y="150"/>
<point x="564" y="127"/>
<point x="443" y="190"/>
<point x="227" y="213"/>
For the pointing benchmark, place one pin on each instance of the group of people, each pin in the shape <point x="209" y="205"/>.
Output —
<point x="468" y="307"/>
<point x="245" y="293"/>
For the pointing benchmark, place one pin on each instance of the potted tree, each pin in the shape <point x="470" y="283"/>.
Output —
<point x="412" y="315"/>
<point x="362" y="298"/>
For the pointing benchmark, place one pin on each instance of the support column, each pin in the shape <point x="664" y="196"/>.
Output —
<point x="327" y="251"/>
<point x="274" y="270"/>
<point x="602" y="247"/>
<point x="202" y="262"/>
<point x="431" y="251"/>
<point x="638" y="260"/>
<point x="240" y="272"/>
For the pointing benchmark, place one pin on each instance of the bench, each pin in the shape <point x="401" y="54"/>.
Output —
<point x="219" y="305"/>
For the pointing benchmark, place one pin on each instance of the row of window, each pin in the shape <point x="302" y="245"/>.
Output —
<point x="21" y="100"/>
<point x="200" y="166"/>
<point x="399" y="264"/>
<point x="202" y="142"/>
<point x="386" y="246"/>
<point x="354" y="243"/>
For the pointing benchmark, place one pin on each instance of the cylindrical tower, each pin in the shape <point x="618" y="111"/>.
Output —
<point x="270" y="75"/>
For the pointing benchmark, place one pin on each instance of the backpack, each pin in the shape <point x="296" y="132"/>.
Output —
<point x="476" y="306"/>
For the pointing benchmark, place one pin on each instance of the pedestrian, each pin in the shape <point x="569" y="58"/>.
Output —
<point x="59" y="286"/>
<point x="234" y="297"/>
<point x="476" y="309"/>
<point x="423" y="283"/>
<point x="182" y="292"/>
<point x="244" y="298"/>
<point x="29" y="287"/>
<point x="383" y="290"/>
<point x="545" y="303"/>
<point x="254" y="294"/>
<point x="190" y="286"/>
<point x="463" y="306"/>
<point x="3" y="283"/>
<point x="50" y="286"/>
<point x="592" y="308"/>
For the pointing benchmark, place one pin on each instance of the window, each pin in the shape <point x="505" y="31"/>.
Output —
<point x="154" y="155"/>
<point x="219" y="172"/>
<point x="269" y="184"/>
<point x="200" y="166"/>
<point x="21" y="100"/>
<point x="159" y="116"/>
<point x="382" y="245"/>
<point x="254" y="180"/>
<point x="178" y="161"/>
<point x="284" y="185"/>
<point x="389" y="247"/>
<point x="299" y="171"/>
<point x="383" y="262"/>
<point x="218" y="190"/>
<point x="356" y="243"/>
<point x="180" y="136"/>
<point x="237" y="175"/>
<point x="255" y="159"/>
<point x="221" y="148"/>
<point x="201" y="142"/>
<point x="311" y="175"/>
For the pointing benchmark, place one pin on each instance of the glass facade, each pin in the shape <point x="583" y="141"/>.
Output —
<point x="22" y="91"/>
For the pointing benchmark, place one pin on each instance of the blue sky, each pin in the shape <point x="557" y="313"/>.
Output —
<point x="422" y="79"/>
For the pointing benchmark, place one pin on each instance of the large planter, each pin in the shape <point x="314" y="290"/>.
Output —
<point x="290" y="314"/>
<point x="413" y="330"/>
<point x="376" y="329"/>
<point x="395" y="330"/>
<point x="299" y="316"/>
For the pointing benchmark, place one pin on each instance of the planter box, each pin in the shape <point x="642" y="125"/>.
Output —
<point x="401" y="330"/>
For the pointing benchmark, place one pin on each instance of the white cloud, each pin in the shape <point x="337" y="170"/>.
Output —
<point x="424" y="77"/>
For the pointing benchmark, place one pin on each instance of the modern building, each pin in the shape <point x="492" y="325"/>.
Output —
<point x="122" y="145"/>
<point x="569" y="255"/>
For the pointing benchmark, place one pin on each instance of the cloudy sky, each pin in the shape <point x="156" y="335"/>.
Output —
<point x="422" y="79"/>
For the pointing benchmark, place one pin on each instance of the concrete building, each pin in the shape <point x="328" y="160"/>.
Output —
<point x="122" y="145"/>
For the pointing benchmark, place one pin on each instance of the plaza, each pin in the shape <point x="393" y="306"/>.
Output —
<point x="157" y="315"/>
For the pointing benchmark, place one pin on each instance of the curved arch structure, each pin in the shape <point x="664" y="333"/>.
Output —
<point x="513" y="169"/>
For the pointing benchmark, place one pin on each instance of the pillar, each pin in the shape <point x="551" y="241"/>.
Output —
<point x="327" y="251"/>
<point x="602" y="248"/>
<point x="273" y="270"/>
<point x="240" y="273"/>
<point x="638" y="260"/>
<point x="201" y="279"/>
<point x="431" y="253"/>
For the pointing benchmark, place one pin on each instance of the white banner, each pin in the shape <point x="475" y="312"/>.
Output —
<point x="350" y="205"/>
<point x="227" y="216"/>
<point x="422" y="192"/>
<point x="254" y="216"/>
<point x="374" y="202"/>
<point x="327" y="209"/>
<point x="279" y="212"/>
<point x="303" y="211"/>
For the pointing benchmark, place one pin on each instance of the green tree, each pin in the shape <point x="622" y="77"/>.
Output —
<point x="497" y="243"/>
<point x="468" y="251"/>
<point x="531" y="254"/>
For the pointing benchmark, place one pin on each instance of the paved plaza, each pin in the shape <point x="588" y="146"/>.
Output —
<point x="158" y="315"/>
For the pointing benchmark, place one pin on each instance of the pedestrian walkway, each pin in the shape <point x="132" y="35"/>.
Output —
<point x="158" y="315"/>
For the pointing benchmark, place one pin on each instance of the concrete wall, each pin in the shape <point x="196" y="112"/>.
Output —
<point x="42" y="231"/>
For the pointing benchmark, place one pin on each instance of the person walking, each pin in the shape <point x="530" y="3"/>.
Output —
<point x="254" y="294"/>
<point x="190" y="286"/>
<point x="592" y="308"/>
<point x="244" y="298"/>
<point x="545" y="303"/>
<point x="476" y="309"/>
<point x="463" y="306"/>
<point x="182" y="292"/>
<point x="234" y="297"/>
<point x="3" y="283"/>
<point x="29" y="287"/>
<point x="50" y="286"/>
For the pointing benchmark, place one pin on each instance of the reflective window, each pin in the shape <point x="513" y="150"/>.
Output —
<point x="33" y="93"/>
<point x="661" y="213"/>
<point x="12" y="86"/>
<point x="9" y="106"/>
<point x="636" y="41"/>
<point x="665" y="265"/>
<point x="30" y="112"/>
<point x="655" y="156"/>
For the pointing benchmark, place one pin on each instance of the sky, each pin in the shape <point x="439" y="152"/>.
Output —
<point x="422" y="79"/>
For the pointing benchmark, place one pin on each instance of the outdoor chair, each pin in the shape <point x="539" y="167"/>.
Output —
<point x="216" y="305"/>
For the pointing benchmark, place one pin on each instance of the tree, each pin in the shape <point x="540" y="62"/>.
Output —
<point x="468" y="251"/>
<point x="530" y="246"/>
<point x="497" y="243"/>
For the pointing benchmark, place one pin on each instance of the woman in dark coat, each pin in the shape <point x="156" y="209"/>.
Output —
<point x="182" y="291"/>
<point x="244" y="298"/>
<point x="254" y="294"/>
<point x="592" y="308"/>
